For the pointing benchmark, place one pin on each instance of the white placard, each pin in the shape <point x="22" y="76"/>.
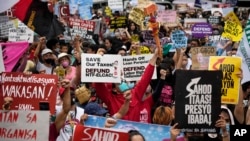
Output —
<point x="21" y="33"/>
<point x="97" y="68"/>
<point x="134" y="66"/>
<point x="24" y="125"/>
<point x="115" y="5"/>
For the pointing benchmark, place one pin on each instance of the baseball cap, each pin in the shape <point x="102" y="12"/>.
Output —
<point x="46" y="50"/>
<point x="93" y="108"/>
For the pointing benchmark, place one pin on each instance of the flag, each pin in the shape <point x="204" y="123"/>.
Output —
<point x="36" y="15"/>
<point x="12" y="52"/>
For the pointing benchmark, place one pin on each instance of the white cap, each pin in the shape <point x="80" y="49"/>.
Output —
<point x="63" y="55"/>
<point x="46" y="50"/>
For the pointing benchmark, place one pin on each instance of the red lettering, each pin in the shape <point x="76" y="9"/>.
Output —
<point x="8" y="117"/>
<point x="31" y="118"/>
<point x="24" y="134"/>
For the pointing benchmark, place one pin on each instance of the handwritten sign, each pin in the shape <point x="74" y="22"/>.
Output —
<point x="24" y="125"/>
<point x="200" y="57"/>
<point x="166" y="16"/>
<point x="149" y="39"/>
<point x="134" y="66"/>
<point x="179" y="39"/>
<point x="83" y="28"/>
<point x="97" y="68"/>
<point x="233" y="31"/>
<point x="200" y="30"/>
<point x="230" y="66"/>
<point x="28" y="91"/>
<point x="99" y="134"/>
<point x="232" y="17"/>
<point x="21" y="33"/>
<point x="144" y="50"/>
<point x="136" y="15"/>
<point x="198" y="100"/>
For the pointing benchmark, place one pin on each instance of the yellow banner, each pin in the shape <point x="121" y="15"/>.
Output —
<point x="136" y="15"/>
<point x="233" y="31"/>
<point x="230" y="82"/>
<point x="232" y="17"/>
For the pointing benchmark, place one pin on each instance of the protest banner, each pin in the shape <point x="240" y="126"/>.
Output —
<point x="21" y="33"/>
<point x="116" y="5"/>
<point x="118" y="22"/>
<point x="87" y="133"/>
<point x="179" y="39"/>
<point x="24" y="125"/>
<point x="81" y="7"/>
<point x="189" y="22"/>
<point x="148" y="39"/>
<point x="200" y="57"/>
<point x="97" y="68"/>
<point x="83" y="28"/>
<point x="136" y="15"/>
<point x="197" y="100"/>
<point x="151" y="132"/>
<point x="134" y="66"/>
<point x="166" y="16"/>
<point x="220" y="43"/>
<point x="29" y="92"/>
<point x="232" y="17"/>
<point x="201" y="30"/>
<point x="5" y="26"/>
<point x="230" y="66"/>
<point x="243" y="51"/>
<point x="108" y="12"/>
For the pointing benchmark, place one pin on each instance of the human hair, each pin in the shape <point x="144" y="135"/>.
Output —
<point x="163" y="115"/>
<point x="134" y="133"/>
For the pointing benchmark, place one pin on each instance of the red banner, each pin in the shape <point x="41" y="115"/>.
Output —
<point x="29" y="92"/>
<point x="98" y="134"/>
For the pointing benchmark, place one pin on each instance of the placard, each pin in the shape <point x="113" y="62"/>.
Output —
<point x="29" y="91"/>
<point x="134" y="66"/>
<point x="118" y="22"/>
<point x="24" y="125"/>
<point x="232" y="30"/>
<point x="21" y="33"/>
<point x="201" y="30"/>
<point x="151" y="132"/>
<point x="88" y="133"/>
<point x="116" y="5"/>
<point x="83" y="28"/>
<point x="97" y="68"/>
<point x="200" y="57"/>
<point x="136" y="15"/>
<point x="179" y="39"/>
<point x="230" y="66"/>
<point x="166" y="16"/>
<point x="197" y="100"/>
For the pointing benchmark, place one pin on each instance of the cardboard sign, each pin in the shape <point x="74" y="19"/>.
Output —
<point x="136" y="15"/>
<point x="179" y="39"/>
<point x="97" y="68"/>
<point x="29" y="92"/>
<point x="134" y="66"/>
<point x="168" y="16"/>
<point x="24" y="125"/>
<point x="201" y="30"/>
<point x="98" y="134"/>
<point x="200" y="57"/>
<point x="150" y="9"/>
<point x="83" y="28"/>
<point x="197" y="100"/>
<point x="151" y="132"/>
<point x="230" y="66"/>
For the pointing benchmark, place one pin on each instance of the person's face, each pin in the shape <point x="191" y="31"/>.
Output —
<point x="107" y="44"/>
<point x="137" y="138"/>
<point x="47" y="56"/>
<point x="122" y="52"/>
<point x="132" y="26"/>
<point x="184" y="61"/>
<point x="194" y="44"/>
<point x="63" y="59"/>
<point x="217" y="14"/>
<point x="64" y="49"/>
<point x="226" y="116"/>
<point x="90" y="51"/>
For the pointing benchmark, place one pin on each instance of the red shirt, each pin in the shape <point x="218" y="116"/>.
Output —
<point x="115" y="101"/>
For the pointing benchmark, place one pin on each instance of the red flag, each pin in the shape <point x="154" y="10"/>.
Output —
<point x="12" y="52"/>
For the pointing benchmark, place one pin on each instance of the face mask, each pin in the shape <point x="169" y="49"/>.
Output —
<point x="196" y="138"/>
<point x="49" y="61"/>
<point x="65" y="64"/>
<point x="57" y="50"/>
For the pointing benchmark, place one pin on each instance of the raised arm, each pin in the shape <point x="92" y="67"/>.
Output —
<point x="239" y="108"/>
<point x="61" y="117"/>
<point x="124" y="108"/>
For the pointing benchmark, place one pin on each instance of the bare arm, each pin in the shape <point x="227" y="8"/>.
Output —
<point x="239" y="108"/>
<point x="40" y="46"/>
<point x="61" y="117"/>
<point x="179" y="62"/>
